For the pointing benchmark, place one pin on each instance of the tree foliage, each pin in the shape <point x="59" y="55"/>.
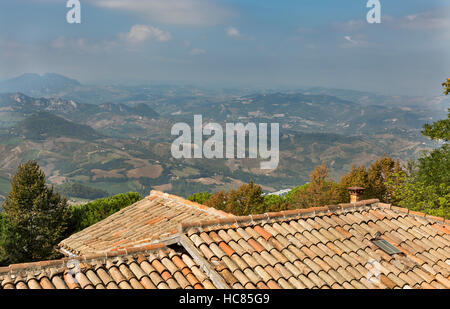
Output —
<point x="446" y="86"/>
<point x="200" y="198"/>
<point x="35" y="217"/>
<point x="320" y="191"/>
<point x="3" y="256"/>
<point x="426" y="187"/>
<point x="357" y="177"/>
<point x="374" y="179"/>
<point x="438" y="130"/>
<point x="246" y="200"/>
<point x="289" y="197"/>
<point x="275" y="203"/>
<point x="379" y="172"/>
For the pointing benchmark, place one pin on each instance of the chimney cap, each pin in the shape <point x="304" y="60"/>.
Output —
<point x="356" y="189"/>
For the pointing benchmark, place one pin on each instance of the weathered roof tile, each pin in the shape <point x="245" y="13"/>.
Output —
<point x="322" y="247"/>
<point x="148" y="221"/>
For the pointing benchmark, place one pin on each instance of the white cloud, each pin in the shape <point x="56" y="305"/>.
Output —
<point x="197" y="51"/>
<point x="233" y="32"/>
<point x="349" y="39"/>
<point x="181" y="12"/>
<point x="141" y="33"/>
<point x="355" y="41"/>
<point x="137" y="34"/>
<point x="431" y="20"/>
<point x="428" y="20"/>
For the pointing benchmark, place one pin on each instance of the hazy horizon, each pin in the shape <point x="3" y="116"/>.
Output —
<point x="232" y="43"/>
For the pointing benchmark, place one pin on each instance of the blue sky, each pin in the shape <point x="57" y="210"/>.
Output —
<point x="290" y="43"/>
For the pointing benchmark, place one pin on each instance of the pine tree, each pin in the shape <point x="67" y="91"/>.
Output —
<point x="320" y="191"/>
<point x="357" y="177"/>
<point x="380" y="172"/>
<point x="246" y="200"/>
<point x="36" y="216"/>
<point x="218" y="200"/>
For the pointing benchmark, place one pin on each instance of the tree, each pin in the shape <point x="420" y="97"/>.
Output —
<point x="426" y="186"/>
<point x="357" y="177"/>
<point x="290" y="196"/>
<point x="320" y="191"/>
<point x="439" y="129"/>
<point x="275" y="203"/>
<point x="416" y="194"/>
<point x="218" y="200"/>
<point x="35" y="216"/>
<point x="3" y="227"/>
<point x="246" y="200"/>
<point x="378" y="174"/>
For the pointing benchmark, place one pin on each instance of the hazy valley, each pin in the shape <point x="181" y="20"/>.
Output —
<point x="117" y="138"/>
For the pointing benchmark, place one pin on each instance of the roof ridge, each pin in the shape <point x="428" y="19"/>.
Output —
<point x="187" y="202"/>
<point x="415" y="213"/>
<point x="305" y="212"/>
<point x="284" y="214"/>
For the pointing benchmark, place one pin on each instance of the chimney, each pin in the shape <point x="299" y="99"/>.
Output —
<point x="355" y="194"/>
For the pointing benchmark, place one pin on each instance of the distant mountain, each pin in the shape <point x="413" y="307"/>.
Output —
<point x="43" y="125"/>
<point x="17" y="106"/>
<point x="311" y="113"/>
<point x="39" y="85"/>
<point x="365" y="98"/>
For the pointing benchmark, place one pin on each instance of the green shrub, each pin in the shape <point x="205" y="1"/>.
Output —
<point x="200" y="198"/>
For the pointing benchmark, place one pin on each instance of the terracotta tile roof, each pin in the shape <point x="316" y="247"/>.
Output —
<point x="326" y="247"/>
<point x="322" y="247"/>
<point x="155" y="269"/>
<point x="148" y="221"/>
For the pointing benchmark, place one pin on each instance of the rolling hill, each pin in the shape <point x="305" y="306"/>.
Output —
<point x="39" y="85"/>
<point x="120" y="140"/>
<point x="44" y="125"/>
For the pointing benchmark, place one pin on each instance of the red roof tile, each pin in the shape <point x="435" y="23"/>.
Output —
<point x="330" y="247"/>
<point x="321" y="247"/>
<point x="148" y="221"/>
<point x="123" y="272"/>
